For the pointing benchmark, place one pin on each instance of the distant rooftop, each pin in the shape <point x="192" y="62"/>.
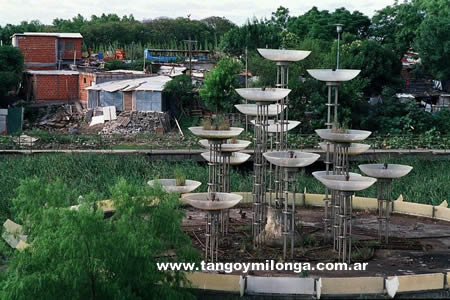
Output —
<point x="52" y="72"/>
<point x="154" y="83"/>
<point x="57" y="34"/>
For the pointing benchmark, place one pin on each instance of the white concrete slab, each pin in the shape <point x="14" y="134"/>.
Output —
<point x="280" y="285"/>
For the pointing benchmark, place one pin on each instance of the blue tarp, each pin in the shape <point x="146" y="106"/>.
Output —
<point x="164" y="59"/>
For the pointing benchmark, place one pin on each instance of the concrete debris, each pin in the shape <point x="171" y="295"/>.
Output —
<point x="13" y="235"/>
<point x="130" y="123"/>
<point x="25" y="140"/>
<point x="56" y="118"/>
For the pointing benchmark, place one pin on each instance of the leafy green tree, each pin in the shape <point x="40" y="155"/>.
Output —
<point x="80" y="255"/>
<point x="378" y="64"/>
<point x="280" y="17"/>
<point x="396" y="26"/>
<point x="253" y="34"/>
<point x="433" y="45"/>
<point x="11" y="68"/>
<point x="218" y="87"/>
<point x="181" y="91"/>
<point x="320" y="24"/>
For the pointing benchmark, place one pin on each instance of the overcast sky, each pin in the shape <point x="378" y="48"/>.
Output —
<point x="238" y="11"/>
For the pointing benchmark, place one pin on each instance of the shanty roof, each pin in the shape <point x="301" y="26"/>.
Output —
<point x="126" y="71"/>
<point x="154" y="83"/>
<point x="171" y="70"/>
<point x="51" y="72"/>
<point x="57" y="34"/>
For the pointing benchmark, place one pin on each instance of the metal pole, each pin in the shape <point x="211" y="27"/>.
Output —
<point x="246" y="85"/>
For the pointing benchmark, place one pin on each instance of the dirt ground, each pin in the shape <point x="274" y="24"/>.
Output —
<point x="417" y="245"/>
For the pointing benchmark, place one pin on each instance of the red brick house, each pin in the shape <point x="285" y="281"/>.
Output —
<point x="48" y="50"/>
<point x="52" y="85"/>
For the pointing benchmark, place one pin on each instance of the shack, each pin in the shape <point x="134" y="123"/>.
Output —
<point x="139" y="94"/>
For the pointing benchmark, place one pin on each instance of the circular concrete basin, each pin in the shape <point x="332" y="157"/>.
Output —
<point x="379" y="170"/>
<point x="323" y="173"/>
<point x="169" y="185"/>
<point x="275" y="127"/>
<point x="349" y="136"/>
<point x="236" y="158"/>
<point x="250" y="109"/>
<point x="222" y="200"/>
<point x="263" y="95"/>
<point x="228" y="146"/>
<point x="282" y="55"/>
<point x="216" y="134"/>
<point x="353" y="149"/>
<point x="340" y="182"/>
<point x="291" y="159"/>
<point x="330" y="75"/>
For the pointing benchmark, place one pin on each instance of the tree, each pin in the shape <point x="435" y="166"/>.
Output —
<point x="254" y="34"/>
<point x="11" y="68"/>
<point x="77" y="254"/>
<point x="180" y="91"/>
<point x="280" y="17"/>
<point x="218" y="87"/>
<point x="320" y="24"/>
<point x="396" y="26"/>
<point x="378" y="64"/>
<point x="433" y="45"/>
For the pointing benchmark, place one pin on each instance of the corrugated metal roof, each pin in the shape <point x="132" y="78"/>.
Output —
<point x="57" y="34"/>
<point x="51" y="72"/>
<point x="154" y="83"/>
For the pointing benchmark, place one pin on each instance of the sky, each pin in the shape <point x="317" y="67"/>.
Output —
<point x="238" y="11"/>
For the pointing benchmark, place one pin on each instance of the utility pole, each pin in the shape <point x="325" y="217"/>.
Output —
<point x="189" y="43"/>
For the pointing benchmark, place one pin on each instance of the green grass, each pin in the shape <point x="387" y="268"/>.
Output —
<point x="83" y="173"/>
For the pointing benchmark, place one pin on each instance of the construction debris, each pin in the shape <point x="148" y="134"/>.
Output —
<point x="57" y="118"/>
<point x="130" y="123"/>
<point x="25" y="140"/>
<point x="13" y="235"/>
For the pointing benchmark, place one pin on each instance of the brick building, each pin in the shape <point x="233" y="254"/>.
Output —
<point x="52" y="85"/>
<point x="48" y="51"/>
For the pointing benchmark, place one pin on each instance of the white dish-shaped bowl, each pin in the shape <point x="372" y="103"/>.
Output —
<point x="353" y="149"/>
<point x="169" y="185"/>
<point x="339" y="182"/>
<point x="223" y="201"/>
<point x="291" y="159"/>
<point x="228" y="146"/>
<point x="276" y="127"/>
<point x="330" y="75"/>
<point x="324" y="173"/>
<point x="392" y="171"/>
<point x="250" y="109"/>
<point x="349" y="136"/>
<point x="283" y="55"/>
<point x="216" y="134"/>
<point x="236" y="158"/>
<point x="263" y="95"/>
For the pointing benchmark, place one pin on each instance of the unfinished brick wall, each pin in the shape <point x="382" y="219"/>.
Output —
<point x="69" y="53"/>
<point x="85" y="80"/>
<point x="55" y="87"/>
<point x="38" y="49"/>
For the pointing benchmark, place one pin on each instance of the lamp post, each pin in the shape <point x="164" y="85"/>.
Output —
<point x="339" y="31"/>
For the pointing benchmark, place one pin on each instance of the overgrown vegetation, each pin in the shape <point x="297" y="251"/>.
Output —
<point x="11" y="67"/>
<point x="86" y="173"/>
<point x="79" y="253"/>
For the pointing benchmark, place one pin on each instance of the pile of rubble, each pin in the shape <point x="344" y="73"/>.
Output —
<point x="57" y="118"/>
<point x="130" y="123"/>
